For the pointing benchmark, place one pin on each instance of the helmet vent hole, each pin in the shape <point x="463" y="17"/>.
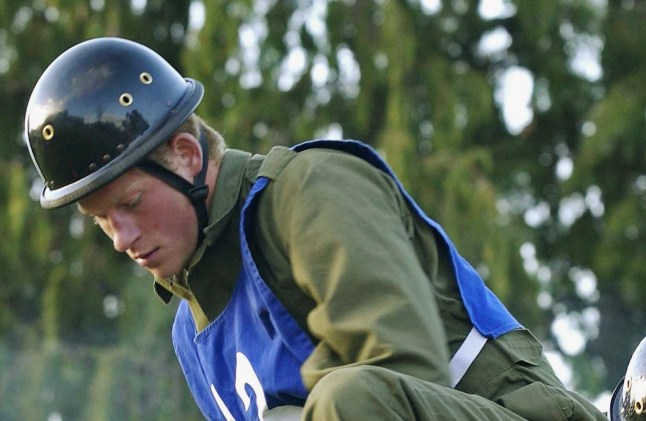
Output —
<point x="125" y="99"/>
<point x="628" y="384"/>
<point x="48" y="132"/>
<point x="639" y="407"/>
<point x="146" y="78"/>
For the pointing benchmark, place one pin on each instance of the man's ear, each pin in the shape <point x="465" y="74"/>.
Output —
<point x="187" y="154"/>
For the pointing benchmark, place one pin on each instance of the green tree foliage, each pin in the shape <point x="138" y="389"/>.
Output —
<point x="550" y="212"/>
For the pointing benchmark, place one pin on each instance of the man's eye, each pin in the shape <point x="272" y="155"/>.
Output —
<point x="134" y="202"/>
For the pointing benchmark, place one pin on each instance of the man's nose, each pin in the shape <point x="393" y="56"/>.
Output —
<point x="124" y="233"/>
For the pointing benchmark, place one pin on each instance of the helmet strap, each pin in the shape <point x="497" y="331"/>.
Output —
<point x="196" y="192"/>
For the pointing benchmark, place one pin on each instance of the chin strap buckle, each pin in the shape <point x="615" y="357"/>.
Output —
<point x="198" y="194"/>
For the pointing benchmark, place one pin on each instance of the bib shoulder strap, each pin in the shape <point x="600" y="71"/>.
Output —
<point x="275" y="161"/>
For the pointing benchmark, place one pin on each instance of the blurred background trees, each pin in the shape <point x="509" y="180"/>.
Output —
<point x="518" y="125"/>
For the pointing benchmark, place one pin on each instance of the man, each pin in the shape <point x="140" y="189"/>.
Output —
<point x="310" y="282"/>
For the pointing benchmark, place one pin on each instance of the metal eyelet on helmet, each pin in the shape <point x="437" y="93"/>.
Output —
<point x="125" y="99"/>
<point x="48" y="132"/>
<point x="146" y="78"/>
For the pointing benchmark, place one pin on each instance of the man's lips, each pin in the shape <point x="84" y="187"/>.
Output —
<point x="146" y="259"/>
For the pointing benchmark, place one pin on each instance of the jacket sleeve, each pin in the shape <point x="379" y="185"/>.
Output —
<point x="345" y="233"/>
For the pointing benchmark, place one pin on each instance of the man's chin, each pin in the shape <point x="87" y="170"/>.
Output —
<point x="161" y="273"/>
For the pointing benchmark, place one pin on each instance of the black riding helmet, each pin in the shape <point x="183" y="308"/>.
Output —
<point x="628" y="401"/>
<point x="100" y="109"/>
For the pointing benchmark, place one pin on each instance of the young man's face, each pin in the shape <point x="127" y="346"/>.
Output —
<point x="144" y="217"/>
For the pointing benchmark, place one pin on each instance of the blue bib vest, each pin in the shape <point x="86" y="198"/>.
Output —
<point x="248" y="360"/>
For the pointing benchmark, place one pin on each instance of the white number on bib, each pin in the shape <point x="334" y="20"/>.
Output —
<point x="245" y="375"/>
